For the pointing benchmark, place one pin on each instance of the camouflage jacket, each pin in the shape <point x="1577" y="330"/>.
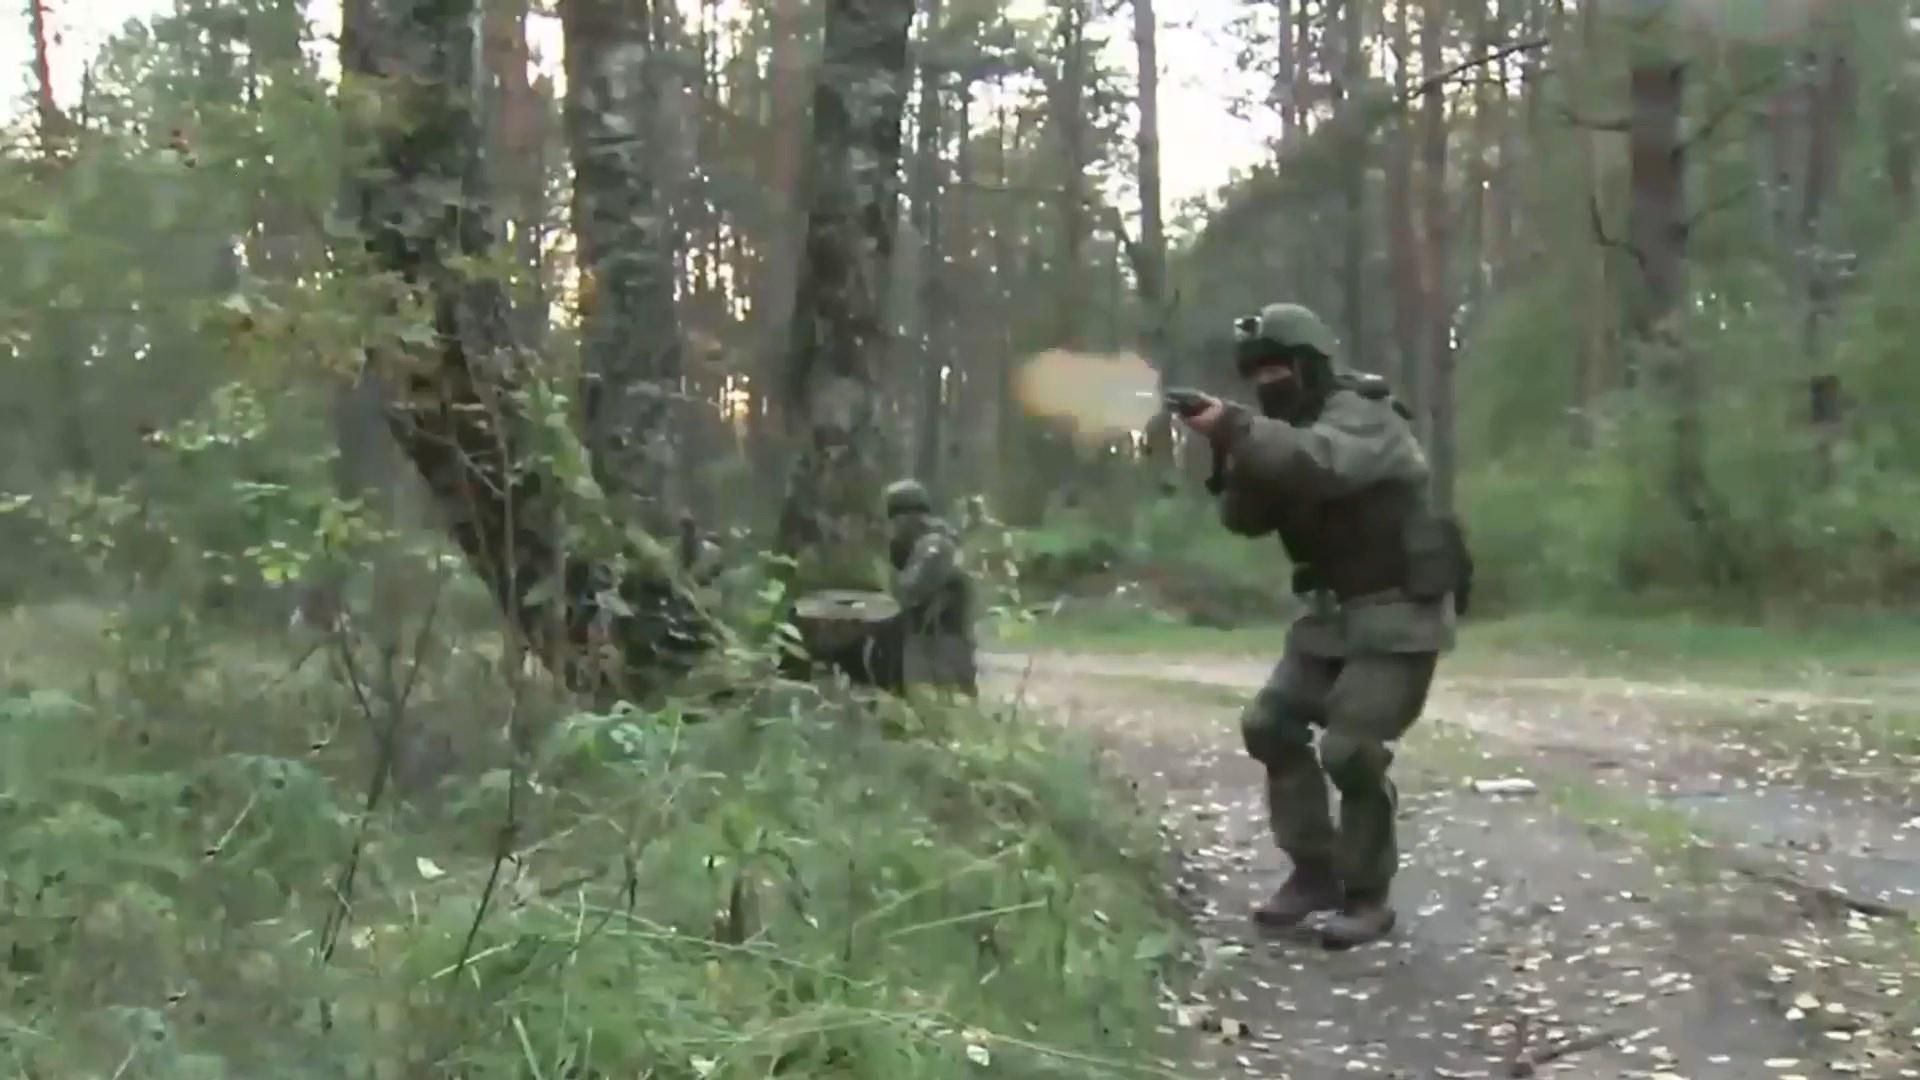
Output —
<point x="1277" y="472"/>
<point x="935" y="593"/>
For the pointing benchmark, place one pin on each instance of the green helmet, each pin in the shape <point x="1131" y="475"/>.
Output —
<point x="1280" y="329"/>
<point x="908" y="497"/>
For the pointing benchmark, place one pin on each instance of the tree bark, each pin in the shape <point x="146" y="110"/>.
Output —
<point x="1009" y="423"/>
<point x="1355" y="138"/>
<point x="1827" y="89"/>
<point x="517" y="148"/>
<point x="1501" y="179"/>
<point x="1596" y="361"/>
<point x="1479" y="173"/>
<point x="972" y="405"/>
<point x="629" y="330"/>
<point x="1657" y="238"/>
<point x="789" y="76"/>
<point x="1436" y="298"/>
<point x="1656" y="215"/>
<point x="619" y="627"/>
<point x="1286" y="89"/>
<point x="52" y="124"/>
<point x="1150" y="253"/>
<point x="829" y="519"/>
<point x="925" y="202"/>
<point x="1402" y="240"/>
<point x="1069" y="114"/>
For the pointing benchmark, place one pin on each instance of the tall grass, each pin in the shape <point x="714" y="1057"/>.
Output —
<point x="194" y="881"/>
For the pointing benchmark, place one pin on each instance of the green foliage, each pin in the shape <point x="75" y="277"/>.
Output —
<point x="227" y="851"/>
<point x="1172" y="561"/>
<point x="1569" y="441"/>
<point x="1553" y="522"/>
<point x="796" y="885"/>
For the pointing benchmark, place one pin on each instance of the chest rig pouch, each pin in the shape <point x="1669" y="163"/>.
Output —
<point x="1438" y="562"/>
<point x="1429" y="560"/>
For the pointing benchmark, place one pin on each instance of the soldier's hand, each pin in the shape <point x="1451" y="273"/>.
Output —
<point x="1207" y="419"/>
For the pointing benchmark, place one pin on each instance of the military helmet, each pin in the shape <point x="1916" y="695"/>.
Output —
<point x="1280" y="329"/>
<point x="908" y="497"/>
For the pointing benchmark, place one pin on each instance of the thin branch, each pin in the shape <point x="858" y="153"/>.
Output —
<point x="1037" y="190"/>
<point x="1494" y="57"/>
<point x="1605" y="241"/>
<point x="1813" y="893"/>
<point x="1566" y="113"/>
<point x="1730" y="199"/>
<point x="1577" y="1044"/>
<point x="386" y="752"/>
<point x="1136" y="256"/>
<point x="1735" y="102"/>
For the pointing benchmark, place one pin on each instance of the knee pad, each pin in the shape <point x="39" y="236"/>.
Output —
<point x="1354" y="762"/>
<point x="1274" y="729"/>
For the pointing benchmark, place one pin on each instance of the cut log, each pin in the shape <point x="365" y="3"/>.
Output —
<point x="856" y="632"/>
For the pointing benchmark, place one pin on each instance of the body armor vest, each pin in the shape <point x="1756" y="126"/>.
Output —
<point x="1370" y="541"/>
<point x="950" y="610"/>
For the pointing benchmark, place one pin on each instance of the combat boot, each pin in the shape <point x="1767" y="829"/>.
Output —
<point x="1312" y="887"/>
<point x="1361" y="921"/>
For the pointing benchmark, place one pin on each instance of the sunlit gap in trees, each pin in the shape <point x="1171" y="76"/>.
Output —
<point x="736" y="402"/>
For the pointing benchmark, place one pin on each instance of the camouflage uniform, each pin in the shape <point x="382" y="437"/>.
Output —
<point x="1341" y="479"/>
<point x="934" y="590"/>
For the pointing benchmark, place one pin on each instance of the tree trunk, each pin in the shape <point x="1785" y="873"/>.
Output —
<point x="1479" y="173"/>
<point x="1150" y="255"/>
<point x="52" y="125"/>
<point x="791" y="126"/>
<point x="1354" y="139"/>
<point x="517" y="143"/>
<point x="925" y="202"/>
<point x="1402" y="240"/>
<point x="1436" y="299"/>
<point x="1657" y="232"/>
<point x="1069" y="113"/>
<point x="1656" y="214"/>
<point x="1300" y="84"/>
<point x="1501" y="178"/>
<point x="629" y="330"/>
<point x="1597" y="358"/>
<point x="1010" y="424"/>
<point x="457" y="412"/>
<point x="1287" y="78"/>
<point x="972" y="403"/>
<point x="829" y="519"/>
<point x="1828" y="90"/>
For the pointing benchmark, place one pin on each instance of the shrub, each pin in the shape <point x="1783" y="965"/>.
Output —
<point x="195" y="882"/>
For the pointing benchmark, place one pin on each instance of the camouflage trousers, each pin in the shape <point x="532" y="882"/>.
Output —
<point x="1362" y="703"/>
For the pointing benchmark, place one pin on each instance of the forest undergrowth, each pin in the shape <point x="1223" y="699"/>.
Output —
<point x="207" y="869"/>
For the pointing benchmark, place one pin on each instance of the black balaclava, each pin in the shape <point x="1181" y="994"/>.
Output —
<point x="1296" y="400"/>
<point x="904" y="531"/>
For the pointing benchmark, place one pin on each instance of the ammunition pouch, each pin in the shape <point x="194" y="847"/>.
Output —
<point x="1438" y="561"/>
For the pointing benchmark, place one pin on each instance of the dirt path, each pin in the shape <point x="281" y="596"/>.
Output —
<point x="1524" y="927"/>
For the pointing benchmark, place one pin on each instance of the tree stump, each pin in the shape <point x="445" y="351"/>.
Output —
<point x="856" y="632"/>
